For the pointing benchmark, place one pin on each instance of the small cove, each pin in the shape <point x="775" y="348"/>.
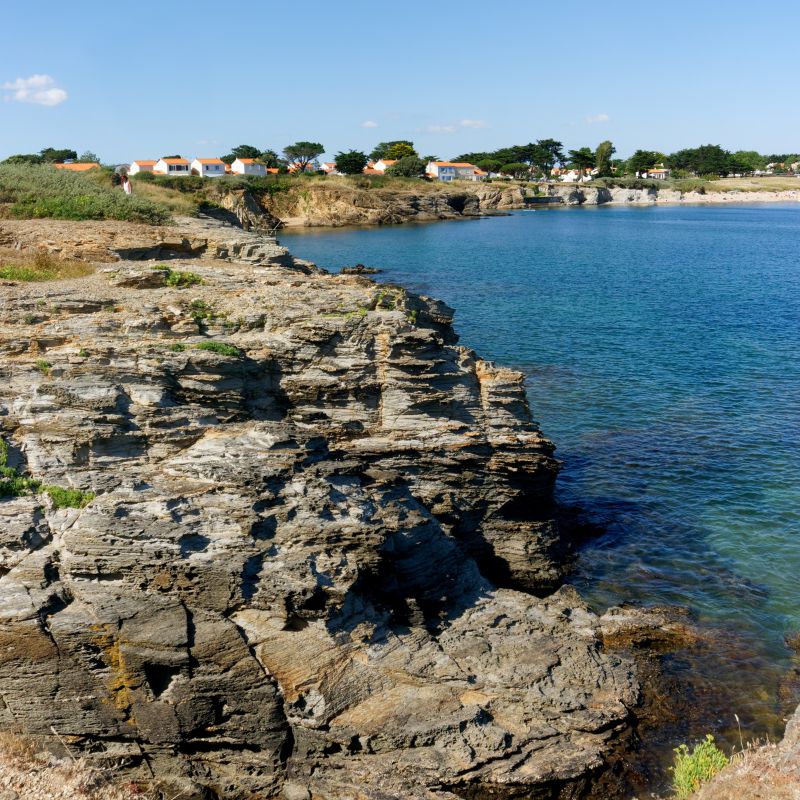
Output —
<point x="661" y="348"/>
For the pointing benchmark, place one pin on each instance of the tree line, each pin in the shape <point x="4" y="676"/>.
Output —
<point x="539" y="158"/>
<point x="532" y="160"/>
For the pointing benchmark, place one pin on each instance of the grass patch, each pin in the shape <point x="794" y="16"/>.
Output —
<point x="40" y="191"/>
<point x="39" y="266"/>
<point x="692" y="769"/>
<point x="177" y="347"/>
<point x="220" y="348"/>
<point x="176" y="278"/>
<point x="12" y="484"/>
<point x="43" y="366"/>
<point x="69" y="498"/>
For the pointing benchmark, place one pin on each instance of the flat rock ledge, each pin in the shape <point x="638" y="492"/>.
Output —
<point x="321" y="558"/>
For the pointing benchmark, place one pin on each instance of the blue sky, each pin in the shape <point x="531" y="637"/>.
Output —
<point x="145" y="79"/>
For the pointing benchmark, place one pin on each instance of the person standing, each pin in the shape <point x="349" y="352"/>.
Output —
<point x="126" y="184"/>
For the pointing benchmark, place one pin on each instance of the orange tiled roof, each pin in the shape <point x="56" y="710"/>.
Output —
<point x="247" y="160"/>
<point x="372" y="171"/>
<point x="144" y="163"/>
<point x="453" y="164"/>
<point x="78" y="167"/>
<point x="175" y="160"/>
<point x="210" y="160"/>
<point x="273" y="170"/>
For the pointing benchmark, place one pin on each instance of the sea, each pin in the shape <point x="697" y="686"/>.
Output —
<point x="661" y="348"/>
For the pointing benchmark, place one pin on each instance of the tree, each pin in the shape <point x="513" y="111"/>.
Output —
<point x="708" y="159"/>
<point x="242" y="151"/>
<point x="581" y="159"/>
<point x="554" y="151"/>
<point x="269" y="158"/>
<point x="750" y="161"/>
<point x="52" y="156"/>
<point x="518" y="169"/>
<point x="382" y="150"/>
<point x="602" y="157"/>
<point x="352" y="162"/>
<point x="303" y="153"/>
<point x="408" y="167"/>
<point x="489" y="165"/>
<point x="401" y="150"/>
<point x="89" y="157"/>
<point x="643" y="160"/>
<point x="24" y="158"/>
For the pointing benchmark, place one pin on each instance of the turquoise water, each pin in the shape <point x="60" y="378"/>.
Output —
<point x="662" y="349"/>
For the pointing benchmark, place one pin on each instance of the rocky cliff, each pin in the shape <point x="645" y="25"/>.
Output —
<point x="319" y="204"/>
<point x="310" y="547"/>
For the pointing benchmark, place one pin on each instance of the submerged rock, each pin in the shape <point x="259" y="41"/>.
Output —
<point x="313" y="561"/>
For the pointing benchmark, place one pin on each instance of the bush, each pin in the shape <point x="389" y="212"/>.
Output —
<point x="691" y="770"/>
<point x="69" y="498"/>
<point x="36" y="191"/>
<point x="220" y="348"/>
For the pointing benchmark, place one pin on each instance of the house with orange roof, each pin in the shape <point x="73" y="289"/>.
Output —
<point x="383" y="164"/>
<point x="141" y="166"/>
<point x="172" y="166"/>
<point x="208" y="167"/>
<point x="447" y="171"/>
<point x="82" y="166"/>
<point x="329" y="168"/>
<point x="248" y="166"/>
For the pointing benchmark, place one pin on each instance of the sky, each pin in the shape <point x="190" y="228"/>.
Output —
<point x="160" y="77"/>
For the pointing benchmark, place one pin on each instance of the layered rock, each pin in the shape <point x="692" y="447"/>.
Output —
<point x="320" y="527"/>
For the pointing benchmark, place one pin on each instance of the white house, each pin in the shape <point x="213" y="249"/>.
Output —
<point x="248" y="166"/>
<point x="329" y="168"/>
<point x="383" y="164"/>
<point x="208" y="167"/>
<point x="447" y="171"/>
<point x="575" y="176"/>
<point x="659" y="173"/>
<point x="172" y="166"/>
<point x="141" y="166"/>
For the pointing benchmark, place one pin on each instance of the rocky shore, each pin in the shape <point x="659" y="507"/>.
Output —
<point x="314" y="552"/>
<point x="321" y="555"/>
<point x="335" y="205"/>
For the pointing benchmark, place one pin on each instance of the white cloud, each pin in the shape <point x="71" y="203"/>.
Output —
<point x="473" y="123"/>
<point x="598" y="118"/>
<point x="38" y="89"/>
<point x="441" y="129"/>
<point x="369" y="124"/>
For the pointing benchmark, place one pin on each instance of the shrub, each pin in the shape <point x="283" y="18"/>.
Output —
<point x="220" y="348"/>
<point x="16" y="266"/>
<point x="177" y="279"/>
<point x="691" y="770"/>
<point x="43" y="366"/>
<point x="35" y="191"/>
<point x="69" y="498"/>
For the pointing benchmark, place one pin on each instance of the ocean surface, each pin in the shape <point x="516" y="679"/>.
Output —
<point x="662" y="353"/>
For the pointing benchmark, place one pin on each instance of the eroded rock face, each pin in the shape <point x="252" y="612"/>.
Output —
<point x="312" y="561"/>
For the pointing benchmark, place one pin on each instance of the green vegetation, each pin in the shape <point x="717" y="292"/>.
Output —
<point x="12" y="484"/>
<point x="39" y="190"/>
<point x="43" y="366"/>
<point x="177" y="347"/>
<point x="220" y="348"/>
<point x="68" y="498"/>
<point x="177" y="279"/>
<point x="692" y="769"/>
<point x="399" y="148"/>
<point x="41" y="266"/>
<point x="301" y="154"/>
<point x="407" y="167"/>
<point x="352" y="162"/>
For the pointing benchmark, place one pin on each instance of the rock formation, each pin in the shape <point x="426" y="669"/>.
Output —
<point x="319" y="553"/>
